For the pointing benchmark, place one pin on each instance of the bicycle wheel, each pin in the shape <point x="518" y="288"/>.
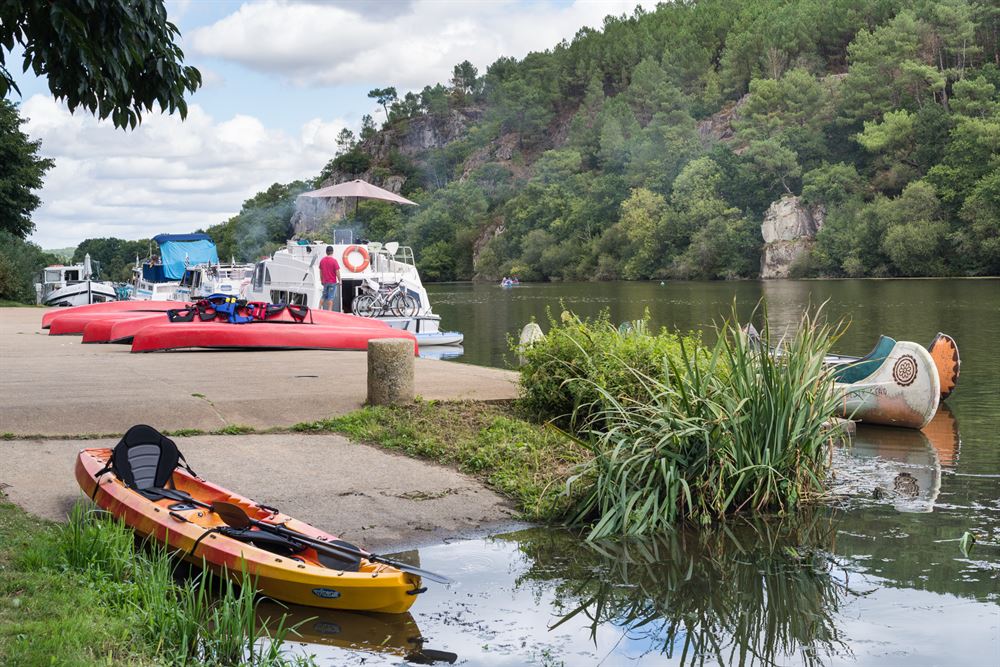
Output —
<point x="364" y="305"/>
<point x="404" y="305"/>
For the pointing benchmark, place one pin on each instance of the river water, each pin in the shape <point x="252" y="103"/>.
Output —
<point x="861" y="581"/>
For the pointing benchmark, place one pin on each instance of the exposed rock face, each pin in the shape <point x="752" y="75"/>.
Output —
<point x="719" y="126"/>
<point x="789" y="230"/>
<point x="409" y="138"/>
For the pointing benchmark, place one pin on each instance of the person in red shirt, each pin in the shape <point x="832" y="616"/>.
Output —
<point x="329" y="275"/>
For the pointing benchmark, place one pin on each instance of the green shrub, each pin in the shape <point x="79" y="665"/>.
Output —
<point x="746" y="431"/>
<point x="566" y="377"/>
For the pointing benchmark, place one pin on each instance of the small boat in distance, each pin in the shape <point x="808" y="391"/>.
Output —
<point x="72" y="285"/>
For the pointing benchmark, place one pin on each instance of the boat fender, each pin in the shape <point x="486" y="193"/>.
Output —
<point x="365" y="259"/>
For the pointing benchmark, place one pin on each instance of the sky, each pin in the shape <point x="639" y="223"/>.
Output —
<point x="281" y="79"/>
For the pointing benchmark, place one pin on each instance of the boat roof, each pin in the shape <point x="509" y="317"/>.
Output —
<point x="179" y="251"/>
<point x="181" y="238"/>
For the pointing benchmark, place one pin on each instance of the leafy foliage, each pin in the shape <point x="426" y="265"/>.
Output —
<point x="21" y="171"/>
<point x="20" y="262"/>
<point x="567" y="376"/>
<point x="115" y="58"/>
<point x="116" y="257"/>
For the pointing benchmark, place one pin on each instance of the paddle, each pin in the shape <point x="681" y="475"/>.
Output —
<point x="235" y="517"/>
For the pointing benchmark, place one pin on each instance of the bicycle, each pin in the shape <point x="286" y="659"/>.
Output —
<point x="389" y="299"/>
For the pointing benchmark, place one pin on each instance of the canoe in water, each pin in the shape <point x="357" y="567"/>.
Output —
<point x="895" y="385"/>
<point x="112" y="307"/>
<point x="263" y="335"/>
<point x="299" y="577"/>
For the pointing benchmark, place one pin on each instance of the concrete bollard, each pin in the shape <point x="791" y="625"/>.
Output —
<point x="390" y="371"/>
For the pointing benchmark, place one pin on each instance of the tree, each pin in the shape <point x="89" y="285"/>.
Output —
<point x="384" y="96"/>
<point x="21" y="171"/>
<point x="116" y="257"/>
<point x="20" y="261"/>
<point x="115" y="58"/>
<point x="345" y="141"/>
<point x="775" y="161"/>
<point x="465" y="80"/>
<point x="368" y="129"/>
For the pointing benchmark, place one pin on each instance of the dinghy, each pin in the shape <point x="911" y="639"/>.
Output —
<point x="145" y="482"/>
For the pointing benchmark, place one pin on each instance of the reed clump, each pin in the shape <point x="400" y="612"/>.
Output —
<point x="727" y="428"/>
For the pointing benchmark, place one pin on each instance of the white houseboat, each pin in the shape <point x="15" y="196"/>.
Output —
<point x="291" y="276"/>
<point x="72" y="285"/>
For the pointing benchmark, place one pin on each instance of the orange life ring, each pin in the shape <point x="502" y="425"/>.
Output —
<point x="356" y="268"/>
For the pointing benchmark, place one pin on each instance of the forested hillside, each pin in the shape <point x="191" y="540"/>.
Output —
<point x="652" y="147"/>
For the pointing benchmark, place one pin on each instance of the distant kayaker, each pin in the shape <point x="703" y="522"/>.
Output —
<point x="329" y="275"/>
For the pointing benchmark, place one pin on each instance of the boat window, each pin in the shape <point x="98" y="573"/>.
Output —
<point x="258" y="276"/>
<point x="196" y="279"/>
<point x="187" y="278"/>
<point x="72" y="275"/>
<point x="53" y="276"/>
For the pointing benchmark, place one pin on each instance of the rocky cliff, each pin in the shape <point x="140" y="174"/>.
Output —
<point x="789" y="230"/>
<point x="410" y="139"/>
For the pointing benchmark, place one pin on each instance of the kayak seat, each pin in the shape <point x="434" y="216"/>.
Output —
<point x="145" y="460"/>
<point x="858" y="370"/>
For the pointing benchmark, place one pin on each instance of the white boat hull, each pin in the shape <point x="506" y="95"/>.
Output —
<point x="903" y="391"/>
<point x="81" y="294"/>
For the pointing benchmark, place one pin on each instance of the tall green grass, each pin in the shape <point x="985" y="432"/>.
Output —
<point x="200" y="620"/>
<point x="726" y="429"/>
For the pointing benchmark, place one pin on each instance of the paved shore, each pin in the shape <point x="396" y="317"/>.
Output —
<point x="364" y="494"/>
<point x="54" y="385"/>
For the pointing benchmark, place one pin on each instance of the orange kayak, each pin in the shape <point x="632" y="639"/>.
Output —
<point x="300" y="578"/>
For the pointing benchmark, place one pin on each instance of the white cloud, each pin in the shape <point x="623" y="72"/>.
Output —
<point x="312" y="43"/>
<point x="166" y="176"/>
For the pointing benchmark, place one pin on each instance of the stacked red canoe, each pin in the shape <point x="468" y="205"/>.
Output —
<point x="170" y="325"/>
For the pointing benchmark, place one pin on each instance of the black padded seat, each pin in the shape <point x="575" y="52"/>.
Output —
<point x="145" y="460"/>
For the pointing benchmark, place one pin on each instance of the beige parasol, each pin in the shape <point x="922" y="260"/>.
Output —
<point x="361" y="190"/>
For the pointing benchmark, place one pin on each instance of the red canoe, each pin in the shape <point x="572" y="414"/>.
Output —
<point x="264" y="335"/>
<point x="102" y="330"/>
<point x="111" y="307"/>
<point x="124" y="330"/>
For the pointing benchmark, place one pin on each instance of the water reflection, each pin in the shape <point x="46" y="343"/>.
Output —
<point x="899" y="466"/>
<point x="749" y="593"/>
<point x="386" y="634"/>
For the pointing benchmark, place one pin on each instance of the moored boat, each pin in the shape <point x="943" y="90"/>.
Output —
<point x="291" y="275"/>
<point x="73" y="285"/>
<point x="943" y="350"/>
<point x="895" y="385"/>
<point x="141" y="483"/>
